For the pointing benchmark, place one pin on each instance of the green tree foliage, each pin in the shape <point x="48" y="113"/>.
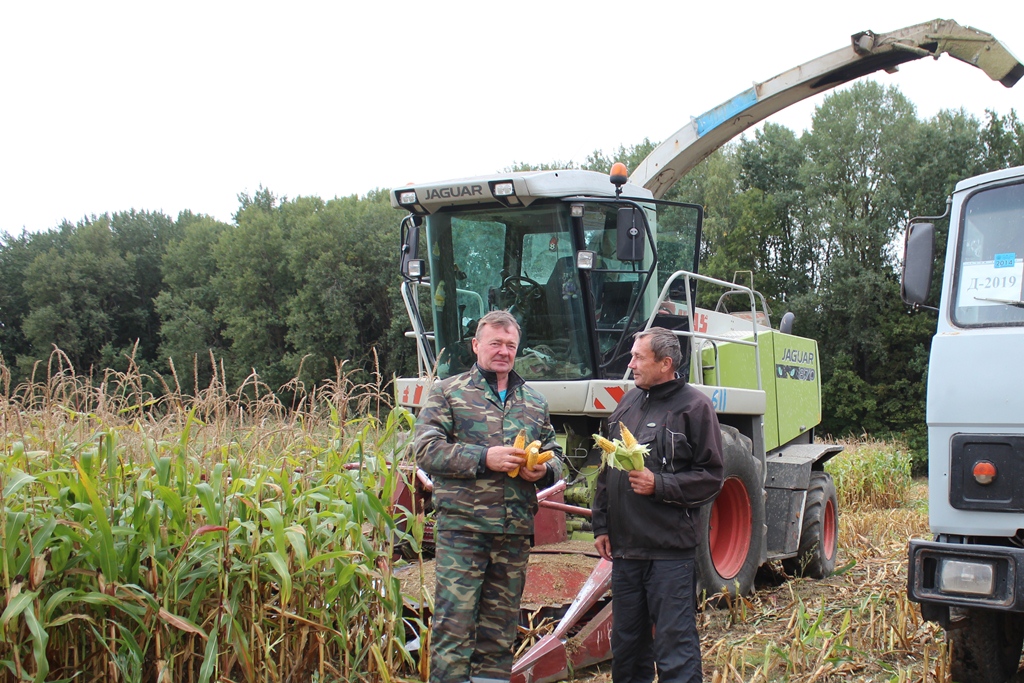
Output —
<point x="88" y="289"/>
<point x="16" y="254"/>
<point x="141" y="238"/>
<point x="82" y="296"/>
<point x="191" y="333"/>
<point x="254" y="286"/>
<point x="343" y="256"/>
<point x="1003" y="138"/>
<point x="856" y="177"/>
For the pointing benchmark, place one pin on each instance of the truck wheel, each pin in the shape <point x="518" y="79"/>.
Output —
<point x="730" y="551"/>
<point x="819" y="536"/>
<point x="987" y="648"/>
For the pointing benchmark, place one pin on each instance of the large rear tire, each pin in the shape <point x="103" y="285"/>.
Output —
<point x="819" y="536"/>
<point x="734" y="523"/>
<point x="986" y="649"/>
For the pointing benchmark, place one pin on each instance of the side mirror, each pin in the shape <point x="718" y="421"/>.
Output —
<point x="412" y="266"/>
<point x="918" y="259"/>
<point x="631" y="229"/>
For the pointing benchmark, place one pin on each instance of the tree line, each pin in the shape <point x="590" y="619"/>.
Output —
<point x="306" y="288"/>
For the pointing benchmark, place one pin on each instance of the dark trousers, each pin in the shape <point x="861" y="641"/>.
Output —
<point x="658" y="594"/>
<point x="479" y="583"/>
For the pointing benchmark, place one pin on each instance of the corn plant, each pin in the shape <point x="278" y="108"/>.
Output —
<point x="216" y="537"/>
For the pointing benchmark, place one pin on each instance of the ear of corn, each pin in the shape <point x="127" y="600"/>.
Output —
<point x="532" y="451"/>
<point x="544" y="457"/>
<point x="622" y="454"/>
<point x="533" y="455"/>
<point x="606" y="445"/>
<point x="520" y="444"/>
<point x="520" y="441"/>
<point x="628" y="440"/>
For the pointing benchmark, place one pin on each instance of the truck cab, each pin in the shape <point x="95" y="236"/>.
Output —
<point x="970" y="578"/>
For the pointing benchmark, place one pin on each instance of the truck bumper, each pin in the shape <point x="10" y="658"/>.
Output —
<point x="943" y="575"/>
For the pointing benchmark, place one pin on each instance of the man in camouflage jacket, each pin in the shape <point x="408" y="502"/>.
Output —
<point x="484" y="517"/>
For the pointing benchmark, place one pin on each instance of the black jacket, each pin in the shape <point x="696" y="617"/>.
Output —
<point x="679" y="425"/>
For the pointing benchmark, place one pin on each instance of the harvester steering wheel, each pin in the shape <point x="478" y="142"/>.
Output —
<point x="521" y="290"/>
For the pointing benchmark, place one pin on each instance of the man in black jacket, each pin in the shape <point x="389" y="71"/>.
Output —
<point x="647" y="521"/>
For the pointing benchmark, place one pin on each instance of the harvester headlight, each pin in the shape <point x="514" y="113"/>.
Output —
<point x="585" y="259"/>
<point x="504" y="189"/>
<point x="414" y="268"/>
<point x="576" y="210"/>
<point x="959" y="576"/>
<point x="407" y="197"/>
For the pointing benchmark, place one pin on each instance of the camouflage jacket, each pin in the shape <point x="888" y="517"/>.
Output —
<point x="463" y="417"/>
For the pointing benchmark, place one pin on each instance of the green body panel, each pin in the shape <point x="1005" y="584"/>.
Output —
<point x="790" y="379"/>
<point x="797" y="379"/>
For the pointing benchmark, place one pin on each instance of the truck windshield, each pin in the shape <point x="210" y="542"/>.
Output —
<point x="989" y="272"/>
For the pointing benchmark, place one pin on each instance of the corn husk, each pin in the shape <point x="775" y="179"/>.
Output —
<point x="624" y="453"/>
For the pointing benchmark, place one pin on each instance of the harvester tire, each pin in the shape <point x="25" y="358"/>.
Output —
<point x="986" y="647"/>
<point x="734" y="523"/>
<point x="819" y="536"/>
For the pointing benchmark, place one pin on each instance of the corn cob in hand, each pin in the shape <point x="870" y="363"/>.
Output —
<point x="624" y="453"/>
<point x="534" y="456"/>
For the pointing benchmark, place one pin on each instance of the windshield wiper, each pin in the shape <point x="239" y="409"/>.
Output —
<point x="1008" y="302"/>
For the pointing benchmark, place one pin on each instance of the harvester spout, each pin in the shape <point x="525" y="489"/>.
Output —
<point x="981" y="50"/>
<point x="867" y="53"/>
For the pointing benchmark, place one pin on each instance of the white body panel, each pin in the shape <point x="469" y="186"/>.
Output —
<point x="975" y="386"/>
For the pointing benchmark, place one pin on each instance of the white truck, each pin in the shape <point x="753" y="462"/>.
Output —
<point x="970" y="578"/>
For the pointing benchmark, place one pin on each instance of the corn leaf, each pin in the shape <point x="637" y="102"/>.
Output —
<point x="104" y="545"/>
<point x="16" y="481"/>
<point x="39" y="640"/>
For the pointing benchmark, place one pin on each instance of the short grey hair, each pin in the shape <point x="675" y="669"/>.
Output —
<point x="664" y="344"/>
<point x="502" y="319"/>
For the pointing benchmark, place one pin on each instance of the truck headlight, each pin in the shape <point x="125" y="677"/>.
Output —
<point x="975" y="578"/>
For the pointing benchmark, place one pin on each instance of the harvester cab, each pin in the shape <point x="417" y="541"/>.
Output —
<point x="573" y="263"/>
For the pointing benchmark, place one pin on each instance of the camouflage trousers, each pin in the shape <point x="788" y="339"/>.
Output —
<point x="480" y="579"/>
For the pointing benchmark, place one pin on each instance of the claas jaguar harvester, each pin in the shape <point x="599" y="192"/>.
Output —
<point x="583" y="261"/>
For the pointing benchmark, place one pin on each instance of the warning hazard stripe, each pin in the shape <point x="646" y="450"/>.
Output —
<point x="616" y="394"/>
<point x="410" y="392"/>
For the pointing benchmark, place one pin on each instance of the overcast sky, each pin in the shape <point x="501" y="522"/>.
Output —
<point x="165" y="106"/>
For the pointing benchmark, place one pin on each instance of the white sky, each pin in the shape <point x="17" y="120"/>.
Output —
<point x="167" y="106"/>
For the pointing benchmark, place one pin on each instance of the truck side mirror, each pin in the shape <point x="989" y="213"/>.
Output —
<point x="631" y="229"/>
<point x="918" y="259"/>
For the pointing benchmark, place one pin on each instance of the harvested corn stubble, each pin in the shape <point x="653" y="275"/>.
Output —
<point x="624" y="453"/>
